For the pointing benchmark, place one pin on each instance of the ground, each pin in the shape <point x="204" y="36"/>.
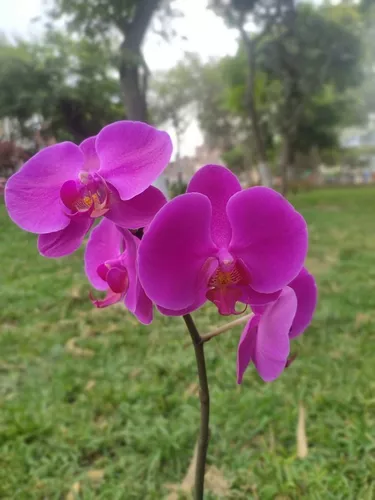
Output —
<point x="95" y="406"/>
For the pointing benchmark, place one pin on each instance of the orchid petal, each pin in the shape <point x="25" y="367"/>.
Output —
<point x="219" y="184"/>
<point x="104" y="245"/>
<point x="32" y="195"/>
<point x="132" y="155"/>
<point x="89" y="152"/>
<point x="174" y="250"/>
<point x="272" y="340"/>
<point x="143" y="309"/>
<point x="136" y="299"/>
<point x="67" y="240"/>
<point x="137" y="212"/>
<point x="305" y="288"/>
<point x="255" y="299"/>
<point x="128" y="258"/>
<point x="246" y="346"/>
<point x="189" y="309"/>
<point x="269" y="236"/>
<point x="69" y="194"/>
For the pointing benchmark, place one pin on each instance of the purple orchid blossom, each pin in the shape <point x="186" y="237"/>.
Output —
<point x="111" y="266"/>
<point x="220" y="243"/>
<point x="265" y="340"/>
<point x="60" y="191"/>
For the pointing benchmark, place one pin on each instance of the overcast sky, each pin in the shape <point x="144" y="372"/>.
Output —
<point x="204" y="31"/>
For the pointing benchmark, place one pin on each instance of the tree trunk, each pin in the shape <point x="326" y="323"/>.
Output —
<point x="133" y="69"/>
<point x="265" y="174"/>
<point x="134" y="96"/>
<point x="134" y="72"/>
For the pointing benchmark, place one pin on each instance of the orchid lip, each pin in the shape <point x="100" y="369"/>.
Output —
<point x="110" y="299"/>
<point x="117" y="279"/>
<point x="115" y="274"/>
<point x="225" y="285"/>
<point x="88" y="195"/>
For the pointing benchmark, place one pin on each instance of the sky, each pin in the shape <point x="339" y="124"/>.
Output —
<point x="199" y="30"/>
<point x="205" y="32"/>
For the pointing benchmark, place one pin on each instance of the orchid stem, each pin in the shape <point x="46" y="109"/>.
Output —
<point x="204" y="397"/>
<point x="222" y="329"/>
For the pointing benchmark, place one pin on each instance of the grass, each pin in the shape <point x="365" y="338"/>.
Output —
<point x="122" y="399"/>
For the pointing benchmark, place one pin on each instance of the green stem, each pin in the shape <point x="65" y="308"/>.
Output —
<point x="204" y="397"/>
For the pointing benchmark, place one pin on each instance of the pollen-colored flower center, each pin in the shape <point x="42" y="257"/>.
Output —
<point x="225" y="286"/>
<point x="223" y="277"/>
<point x="88" y="195"/>
<point x="93" y="195"/>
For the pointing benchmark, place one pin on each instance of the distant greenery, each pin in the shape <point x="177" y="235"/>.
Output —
<point x="65" y="87"/>
<point x="293" y="84"/>
<point x="126" y="403"/>
<point x="177" y="188"/>
<point x="311" y="75"/>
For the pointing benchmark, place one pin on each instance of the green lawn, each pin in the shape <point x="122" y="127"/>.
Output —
<point x="120" y="398"/>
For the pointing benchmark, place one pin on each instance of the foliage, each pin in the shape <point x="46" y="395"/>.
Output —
<point x="317" y="58"/>
<point x="11" y="156"/>
<point x="176" y="188"/>
<point x="124" y="21"/>
<point x="220" y="126"/>
<point x="235" y="159"/>
<point x="321" y="118"/>
<point x="171" y="95"/>
<point x="292" y="78"/>
<point x="64" y="85"/>
<point x="366" y="91"/>
<point x="119" y="408"/>
<point x="100" y="18"/>
<point x="20" y="79"/>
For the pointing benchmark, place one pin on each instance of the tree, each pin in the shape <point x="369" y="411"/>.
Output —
<point x="171" y="99"/>
<point x="316" y="48"/>
<point x="366" y="91"/>
<point x="64" y="86"/>
<point x="20" y="79"/>
<point x="267" y="16"/>
<point x="298" y="50"/>
<point x="108" y="19"/>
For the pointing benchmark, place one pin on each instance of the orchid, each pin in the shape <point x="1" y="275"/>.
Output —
<point x="217" y="242"/>
<point x="220" y="243"/>
<point x="60" y="191"/>
<point x="265" y="340"/>
<point x="110" y="264"/>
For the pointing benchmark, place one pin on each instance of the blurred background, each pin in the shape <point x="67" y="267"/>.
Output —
<point x="94" y="405"/>
<point x="277" y="90"/>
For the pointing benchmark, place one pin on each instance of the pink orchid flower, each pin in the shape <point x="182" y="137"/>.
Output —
<point x="265" y="340"/>
<point x="111" y="266"/>
<point x="59" y="192"/>
<point x="220" y="243"/>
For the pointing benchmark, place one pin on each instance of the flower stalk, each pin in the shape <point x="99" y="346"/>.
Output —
<point x="224" y="328"/>
<point x="204" y="397"/>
